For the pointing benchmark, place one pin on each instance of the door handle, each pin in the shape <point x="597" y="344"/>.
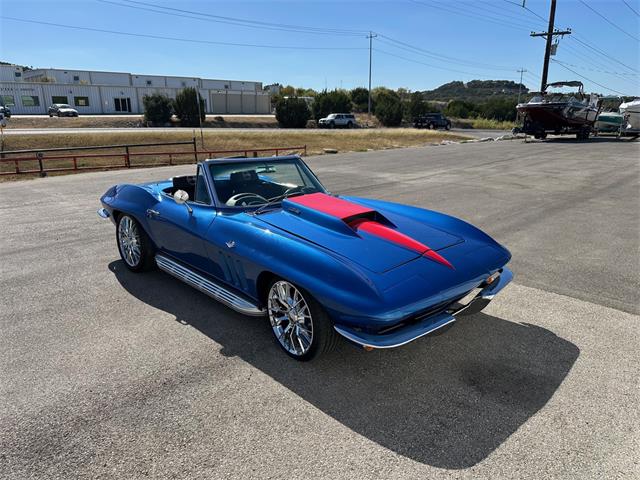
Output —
<point x="152" y="213"/>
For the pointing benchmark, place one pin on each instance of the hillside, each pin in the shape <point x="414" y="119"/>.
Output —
<point x="475" y="90"/>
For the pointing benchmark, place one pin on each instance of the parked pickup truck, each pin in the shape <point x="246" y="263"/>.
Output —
<point x="347" y="120"/>
<point x="432" y="120"/>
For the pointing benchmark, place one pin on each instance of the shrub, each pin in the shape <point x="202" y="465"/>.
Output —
<point x="186" y="107"/>
<point x="460" y="109"/>
<point x="360" y="99"/>
<point x="389" y="108"/>
<point x="335" y="101"/>
<point x="417" y="106"/>
<point x="157" y="108"/>
<point x="499" y="109"/>
<point x="292" y="112"/>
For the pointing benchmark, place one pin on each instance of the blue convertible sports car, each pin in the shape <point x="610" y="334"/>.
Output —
<point x="264" y="237"/>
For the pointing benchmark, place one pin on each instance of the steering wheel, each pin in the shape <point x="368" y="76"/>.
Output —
<point x="246" y="199"/>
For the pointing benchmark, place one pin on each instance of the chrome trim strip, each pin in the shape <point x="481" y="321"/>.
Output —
<point x="208" y="287"/>
<point x="102" y="212"/>
<point x="354" y="338"/>
<point x="485" y="296"/>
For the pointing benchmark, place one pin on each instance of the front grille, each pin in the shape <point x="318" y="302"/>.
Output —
<point x="434" y="310"/>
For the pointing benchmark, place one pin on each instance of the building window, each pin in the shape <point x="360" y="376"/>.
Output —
<point x="81" y="101"/>
<point x="17" y="74"/>
<point x="59" y="99"/>
<point x="30" y="101"/>
<point x="122" y="104"/>
<point x="8" y="100"/>
<point x="184" y="84"/>
<point x="149" y="82"/>
<point x="226" y="86"/>
<point x="76" y="78"/>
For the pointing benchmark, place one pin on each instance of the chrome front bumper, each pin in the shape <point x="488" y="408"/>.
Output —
<point x="103" y="213"/>
<point x="429" y="324"/>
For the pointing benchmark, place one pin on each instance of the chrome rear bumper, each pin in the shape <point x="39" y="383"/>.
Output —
<point x="430" y="324"/>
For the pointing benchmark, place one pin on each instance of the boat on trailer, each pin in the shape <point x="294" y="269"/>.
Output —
<point x="631" y="113"/>
<point x="560" y="113"/>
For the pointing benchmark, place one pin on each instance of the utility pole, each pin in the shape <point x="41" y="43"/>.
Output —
<point x="549" y="34"/>
<point x="371" y="36"/>
<point x="522" y="70"/>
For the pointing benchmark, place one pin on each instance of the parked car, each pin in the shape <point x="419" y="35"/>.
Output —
<point x="347" y="120"/>
<point x="62" y="110"/>
<point x="5" y="111"/>
<point x="432" y="121"/>
<point x="264" y="237"/>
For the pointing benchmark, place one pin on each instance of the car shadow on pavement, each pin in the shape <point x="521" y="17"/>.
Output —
<point x="446" y="401"/>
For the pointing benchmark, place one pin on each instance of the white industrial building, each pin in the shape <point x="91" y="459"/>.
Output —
<point x="32" y="91"/>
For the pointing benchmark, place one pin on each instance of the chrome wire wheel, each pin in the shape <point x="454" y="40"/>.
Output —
<point x="129" y="241"/>
<point x="290" y="318"/>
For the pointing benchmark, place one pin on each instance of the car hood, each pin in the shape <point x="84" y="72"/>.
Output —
<point x="66" y="109"/>
<point x="371" y="237"/>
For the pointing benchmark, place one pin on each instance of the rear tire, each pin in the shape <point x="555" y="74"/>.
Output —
<point x="300" y="325"/>
<point x="135" y="247"/>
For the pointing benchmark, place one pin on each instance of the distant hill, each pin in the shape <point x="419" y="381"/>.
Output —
<point x="475" y="90"/>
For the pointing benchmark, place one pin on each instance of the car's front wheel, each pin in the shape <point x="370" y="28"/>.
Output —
<point x="299" y="323"/>
<point x="135" y="247"/>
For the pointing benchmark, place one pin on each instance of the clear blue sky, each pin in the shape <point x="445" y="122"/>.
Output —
<point x="481" y="39"/>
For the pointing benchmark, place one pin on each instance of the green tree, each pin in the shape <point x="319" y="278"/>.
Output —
<point x="389" y="108"/>
<point x="360" y="99"/>
<point x="157" y="108"/>
<point x="292" y="112"/>
<point x="500" y="109"/>
<point x="460" y="109"/>
<point x="335" y="101"/>
<point x="186" y="107"/>
<point x="417" y="106"/>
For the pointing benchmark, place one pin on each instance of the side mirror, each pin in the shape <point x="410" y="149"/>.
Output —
<point x="181" y="197"/>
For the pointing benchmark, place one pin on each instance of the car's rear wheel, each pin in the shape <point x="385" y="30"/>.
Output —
<point x="299" y="323"/>
<point x="135" y="247"/>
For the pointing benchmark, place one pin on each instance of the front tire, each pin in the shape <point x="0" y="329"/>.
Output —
<point x="300" y="325"/>
<point x="134" y="245"/>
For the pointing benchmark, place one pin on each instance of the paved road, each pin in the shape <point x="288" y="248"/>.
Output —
<point x="107" y="374"/>
<point x="65" y="131"/>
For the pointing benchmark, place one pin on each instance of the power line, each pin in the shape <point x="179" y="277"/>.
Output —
<point x="236" y="21"/>
<point x="527" y="9"/>
<point x="624" y="76"/>
<point x="177" y="39"/>
<point x="603" y="54"/>
<point x="433" y="66"/>
<point x="608" y="21"/>
<point x="437" y="56"/>
<point x="474" y="16"/>
<point x="631" y="8"/>
<point x="587" y="78"/>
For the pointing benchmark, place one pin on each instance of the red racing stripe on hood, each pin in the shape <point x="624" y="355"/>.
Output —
<point x="333" y="206"/>
<point x="345" y="210"/>
<point x="395" y="236"/>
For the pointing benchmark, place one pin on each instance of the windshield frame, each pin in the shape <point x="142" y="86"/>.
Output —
<point x="284" y="159"/>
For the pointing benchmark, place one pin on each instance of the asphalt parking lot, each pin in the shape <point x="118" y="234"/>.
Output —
<point x="108" y="374"/>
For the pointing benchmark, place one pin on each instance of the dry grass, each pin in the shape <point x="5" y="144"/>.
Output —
<point x="316" y="141"/>
<point x="130" y="121"/>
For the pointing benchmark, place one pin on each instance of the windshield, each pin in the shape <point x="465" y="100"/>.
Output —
<point x="63" y="105"/>
<point x="253" y="184"/>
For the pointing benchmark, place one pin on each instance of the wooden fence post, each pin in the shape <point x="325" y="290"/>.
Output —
<point x="40" y="164"/>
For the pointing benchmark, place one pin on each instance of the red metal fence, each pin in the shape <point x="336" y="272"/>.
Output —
<point x="70" y="159"/>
